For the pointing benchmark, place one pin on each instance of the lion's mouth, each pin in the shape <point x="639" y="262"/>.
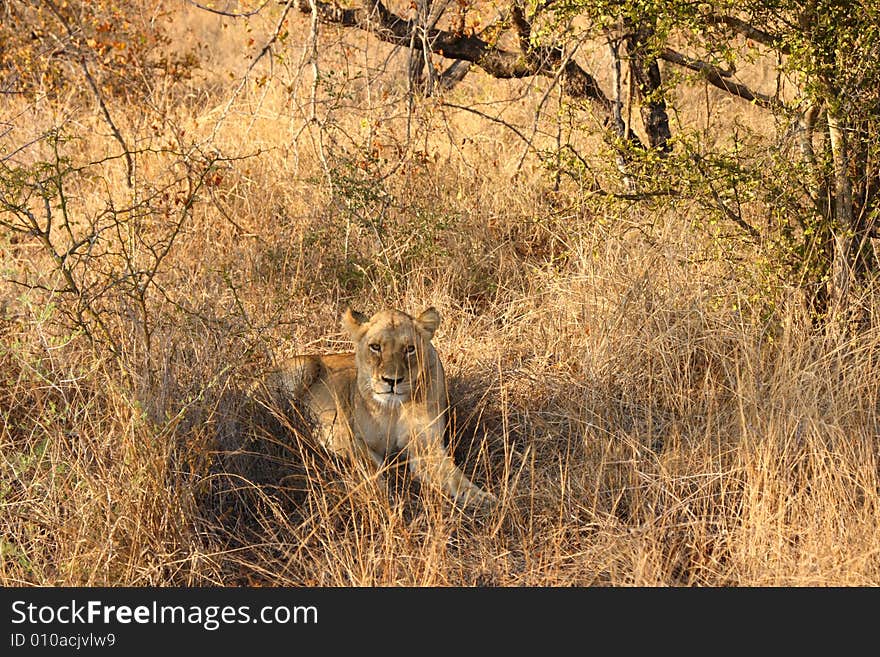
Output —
<point x="390" y="393"/>
<point x="388" y="397"/>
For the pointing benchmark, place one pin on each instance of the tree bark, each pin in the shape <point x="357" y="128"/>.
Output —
<point x="646" y="73"/>
<point x="806" y="133"/>
<point x="844" y="230"/>
<point x="620" y="126"/>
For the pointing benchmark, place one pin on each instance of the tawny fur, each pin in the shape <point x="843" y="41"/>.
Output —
<point x="389" y="395"/>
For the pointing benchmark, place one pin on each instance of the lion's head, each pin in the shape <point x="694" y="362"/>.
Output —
<point x="393" y="352"/>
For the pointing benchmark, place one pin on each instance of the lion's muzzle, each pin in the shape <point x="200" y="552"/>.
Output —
<point x="390" y="389"/>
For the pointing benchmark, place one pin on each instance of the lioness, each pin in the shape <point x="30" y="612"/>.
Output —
<point x="389" y="395"/>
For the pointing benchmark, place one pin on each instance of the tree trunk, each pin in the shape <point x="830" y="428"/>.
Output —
<point x="421" y="74"/>
<point x="844" y="229"/>
<point x="620" y="126"/>
<point x="646" y="74"/>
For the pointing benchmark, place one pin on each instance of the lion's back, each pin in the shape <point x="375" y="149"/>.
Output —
<point x="307" y="375"/>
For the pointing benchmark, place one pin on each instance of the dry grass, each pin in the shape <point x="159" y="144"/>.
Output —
<point x="641" y="425"/>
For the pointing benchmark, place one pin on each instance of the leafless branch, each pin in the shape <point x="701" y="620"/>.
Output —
<point x="96" y="91"/>
<point x="230" y="14"/>
<point x="267" y="47"/>
<point x="493" y="119"/>
<point x="747" y="30"/>
<point x="373" y="16"/>
<point x="717" y="78"/>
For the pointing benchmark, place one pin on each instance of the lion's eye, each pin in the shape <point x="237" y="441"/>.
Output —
<point x="376" y="348"/>
<point x="410" y="349"/>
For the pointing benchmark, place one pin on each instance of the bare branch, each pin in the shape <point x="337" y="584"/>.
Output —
<point x="129" y="163"/>
<point x="454" y="74"/>
<point x="96" y="92"/>
<point x="458" y="69"/>
<point x="267" y="47"/>
<point x="374" y="17"/>
<point x="747" y="30"/>
<point x="716" y="77"/>
<point x="493" y="119"/>
<point x="230" y="14"/>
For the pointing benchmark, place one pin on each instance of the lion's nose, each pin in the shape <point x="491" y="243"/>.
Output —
<point x="391" y="381"/>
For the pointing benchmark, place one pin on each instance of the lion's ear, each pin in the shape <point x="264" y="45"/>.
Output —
<point x="353" y="322"/>
<point x="428" y="321"/>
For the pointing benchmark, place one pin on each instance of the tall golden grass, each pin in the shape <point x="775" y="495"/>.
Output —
<point x="640" y="422"/>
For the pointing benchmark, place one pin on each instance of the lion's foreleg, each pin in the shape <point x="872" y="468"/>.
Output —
<point x="337" y="437"/>
<point x="429" y="463"/>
